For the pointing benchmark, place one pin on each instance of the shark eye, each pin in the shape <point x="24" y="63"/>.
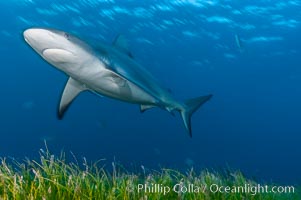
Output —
<point x="67" y="36"/>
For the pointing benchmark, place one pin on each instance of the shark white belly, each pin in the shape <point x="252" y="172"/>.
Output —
<point x="94" y="75"/>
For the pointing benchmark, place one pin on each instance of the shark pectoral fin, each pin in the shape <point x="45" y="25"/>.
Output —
<point x="121" y="82"/>
<point x="121" y="44"/>
<point x="72" y="89"/>
<point x="143" y="108"/>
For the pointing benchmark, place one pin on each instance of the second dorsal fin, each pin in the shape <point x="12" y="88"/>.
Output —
<point x="121" y="44"/>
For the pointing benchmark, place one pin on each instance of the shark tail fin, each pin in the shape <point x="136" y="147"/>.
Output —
<point x="190" y="106"/>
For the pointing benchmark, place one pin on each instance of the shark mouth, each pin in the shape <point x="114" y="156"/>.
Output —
<point x="58" y="55"/>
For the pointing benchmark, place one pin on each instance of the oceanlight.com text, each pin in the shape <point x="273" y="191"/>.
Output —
<point x="213" y="188"/>
<point x="252" y="189"/>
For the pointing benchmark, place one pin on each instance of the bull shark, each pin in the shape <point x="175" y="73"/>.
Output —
<point x="106" y="70"/>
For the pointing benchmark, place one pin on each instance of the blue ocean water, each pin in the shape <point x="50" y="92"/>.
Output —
<point x="252" y="123"/>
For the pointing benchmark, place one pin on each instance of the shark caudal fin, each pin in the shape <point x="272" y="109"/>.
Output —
<point x="190" y="106"/>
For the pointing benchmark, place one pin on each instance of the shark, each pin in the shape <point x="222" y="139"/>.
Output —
<point x="105" y="69"/>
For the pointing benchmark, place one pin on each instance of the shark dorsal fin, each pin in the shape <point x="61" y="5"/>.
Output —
<point x="121" y="44"/>
<point x="72" y="89"/>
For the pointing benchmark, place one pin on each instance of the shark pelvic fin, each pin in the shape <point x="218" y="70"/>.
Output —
<point x="72" y="89"/>
<point x="121" y="44"/>
<point x="143" y="108"/>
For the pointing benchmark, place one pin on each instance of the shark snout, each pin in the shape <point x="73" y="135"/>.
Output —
<point x="33" y="35"/>
<point x="30" y="34"/>
<point x="38" y="38"/>
<point x="26" y="35"/>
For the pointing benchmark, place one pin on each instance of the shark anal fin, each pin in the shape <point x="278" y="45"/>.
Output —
<point x="143" y="108"/>
<point x="122" y="45"/>
<point x="72" y="89"/>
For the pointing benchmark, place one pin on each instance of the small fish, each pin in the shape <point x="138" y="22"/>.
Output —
<point x="238" y="41"/>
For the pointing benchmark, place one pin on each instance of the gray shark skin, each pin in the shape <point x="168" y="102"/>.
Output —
<point x="109" y="70"/>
